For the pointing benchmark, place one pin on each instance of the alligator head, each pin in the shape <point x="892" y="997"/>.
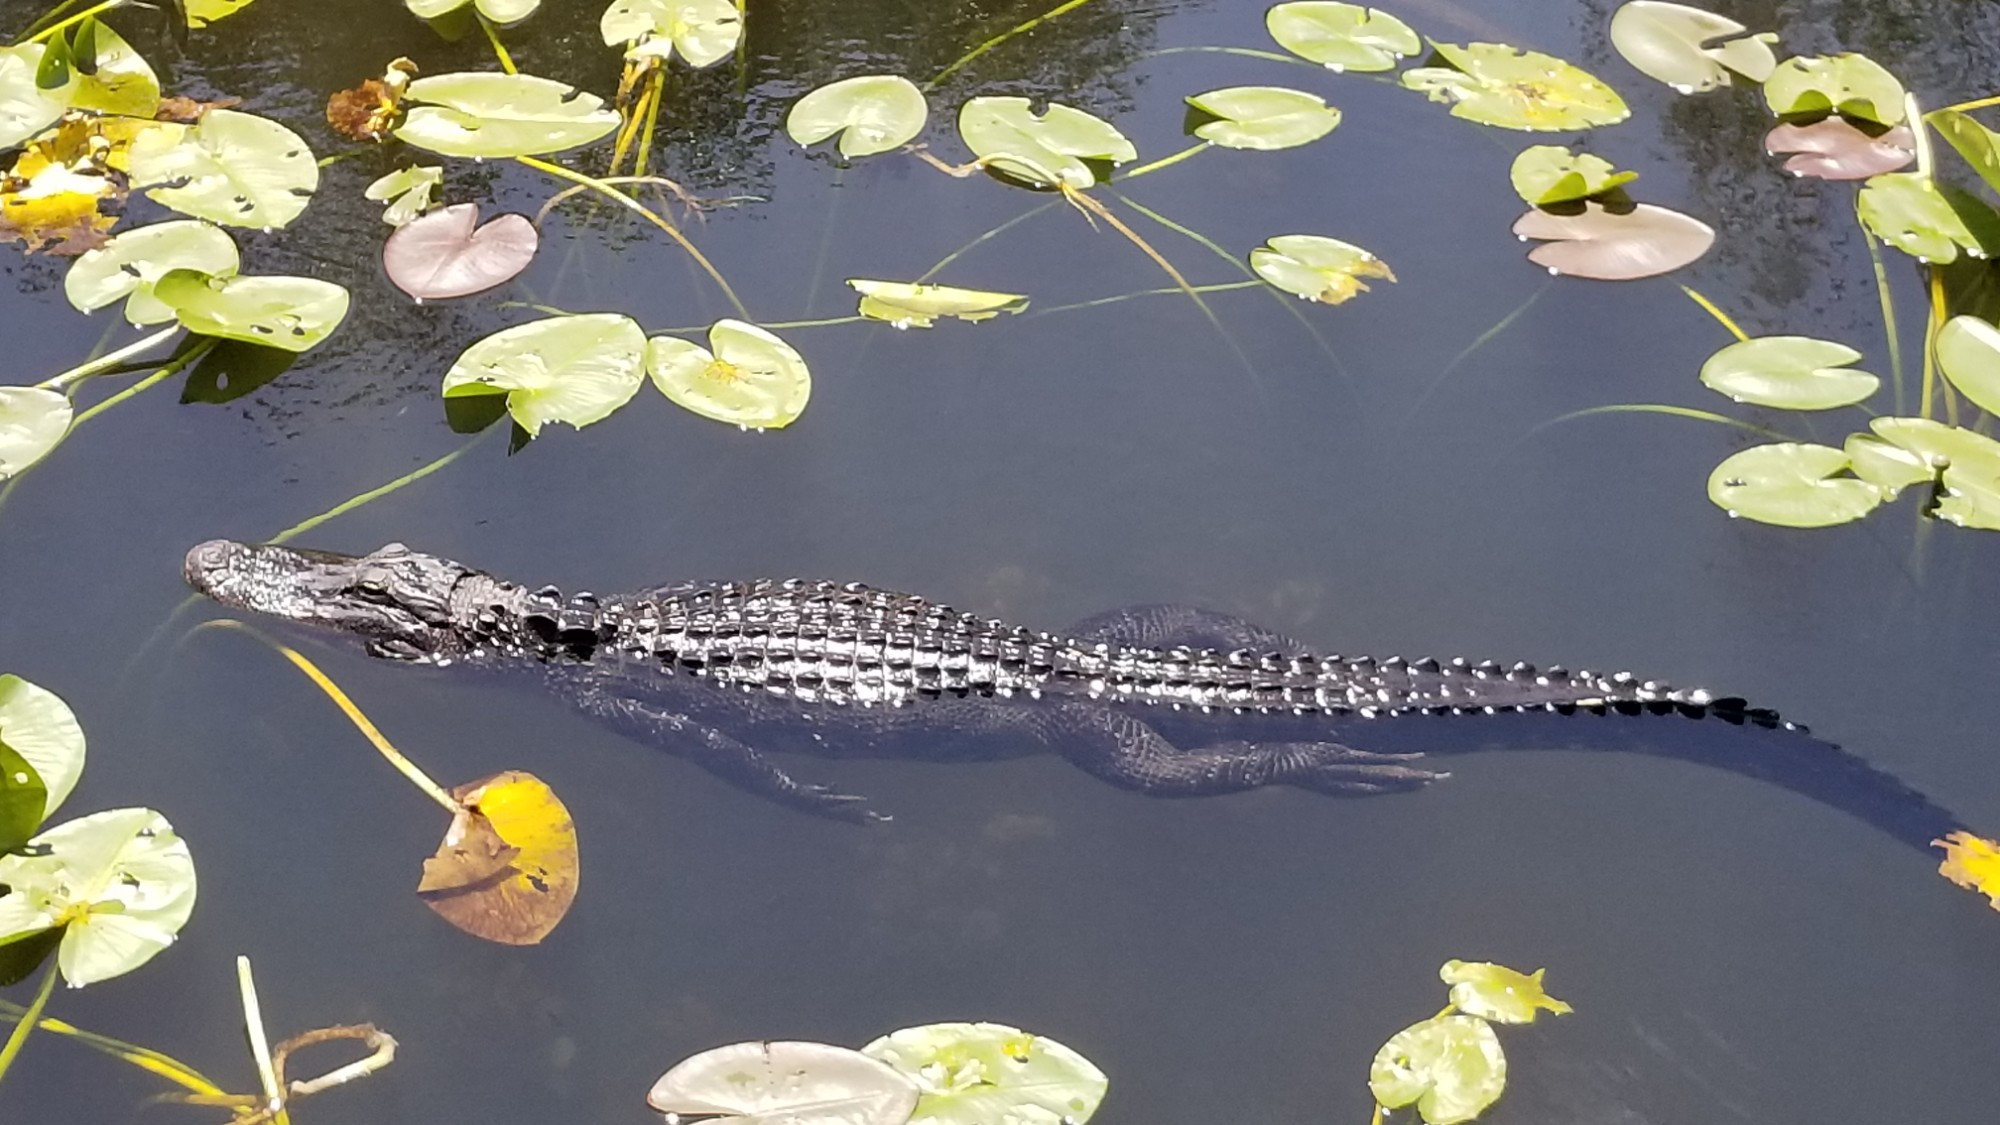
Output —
<point x="395" y="600"/>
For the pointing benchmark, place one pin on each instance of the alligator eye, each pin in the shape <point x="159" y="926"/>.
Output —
<point x="371" y="588"/>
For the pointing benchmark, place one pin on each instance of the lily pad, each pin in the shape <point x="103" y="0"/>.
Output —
<point x="991" y="1074"/>
<point x="1263" y="117"/>
<point x="1941" y="446"/>
<point x="703" y="31"/>
<point x="1610" y="246"/>
<point x="873" y="113"/>
<point x="1971" y="499"/>
<point x="1888" y="467"/>
<point x="1495" y="84"/>
<point x="784" y="1083"/>
<point x="483" y="114"/>
<point x="1452" y="1067"/>
<point x="1792" y="485"/>
<point x="1789" y="372"/>
<point x="201" y="13"/>
<point x="1834" y="149"/>
<point x="233" y="168"/>
<point x="119" y="883"/>
<point x="447" y="254"/>
<point x="23" y="798"/>
<point x="120" y="83"/>
<point x="410" y="189"/>
<point x="127" y="267"/>
<point x="33" y="420"/>
<point x="1907" y="211"/>
<point x="1496" y="992"/>
<point x="499" y="11"/>
<point x="1341" y="36"/>
<point x="570" y="369"/>
<point x="1978" y="145"/>
<point x="36" y="724"/>
<point x="508" y="867"/>
<point x="750" y="378"/>
<point x="1679" y="45"/>
<point x="908" y="304"/>
<point x="25" y="108"/>
<point x="1968" y="352"/>
<point x="1852" y="85"/>
<point x="1045" y="150"/>
<point x="290" y="313"/>
<point x="1317" y="268"/>
<point x="1550" y="174"/>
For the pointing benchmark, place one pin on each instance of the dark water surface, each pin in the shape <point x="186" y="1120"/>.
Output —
<point x="1733" y="950"/>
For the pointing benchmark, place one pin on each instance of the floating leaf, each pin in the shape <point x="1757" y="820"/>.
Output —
<point x="126" y="267"/>
<point x="119" y="883"/>
<point x="1968" y="352"/>
<point x="292" y="313"/>
<point x="370" y="111"/>
<point x="1834" y="149"/>
<point x="703" y="31"/>
<point x="1888" y="467"/>
<point x="233" y="168"/>
<point x="119" y="83"/>
<point x="1263" y="117"/>
<point x="1677" y="45"/>
<point x="507" y="869"/>
<point x="482" y="114"/>
<point x="446" y="254"/>
<point x="201" y="13"/>
<point x="991" y="1074"/>
<point x="1789" y="372"/>
<point x="872" y="113"/>
<point x="1495" y="84"/>
<point x="23" y="800"/>
<point x="57" y="208"/>
<point x="1496" y="992"/>
<point x="36" y="724"/>
<point x="1045" y="150"/>
<point x="1907" y="211"/>
<point x="1851" y="85"/>
<point x="25" y="108"/>
<point x="1341" y="36"/>
<point x="1971" y="498"/>
<point x="410" y="191"/>
<point x="1792" y="485"/>
<point x="1450" y="1066"/>
<point x="1940" y="446"/>
<point x="1972" y="862"/>
<point x="1317" y="268"/>
<point x="1550" y="174"/>
<point x="33" y="420"/>
<point x="1609" y="246"/>
<point x="751" y="378"/>
<point x="499" y="11"/>
<point x="1979" y="145"/>
<point x="907" y="304"/>
<point x="570" y="369"/>
<point x="784" y="1083"/>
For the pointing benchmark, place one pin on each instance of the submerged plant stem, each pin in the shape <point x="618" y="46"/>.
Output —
<point x="260" y="1044"/>
<point x="1661" y="408"/>
<point x="990" y="234"/>
<point x="1889" y="329"/>
<point x="1246" y="52"/>
<point x="955" y="67"/>
<point x="169" y="371"/>
<point x="145" y="1058"/>
<point x="373" y="494"/>
<point x="31" y="1017"/>
<point x="1217" y="287"/>
<point x="656" y="91"/>
<point x="1716" y="312"/>
<point x="499" y="48"/>
<point x="109" y="360"/>
<point x="1165" y="161"/>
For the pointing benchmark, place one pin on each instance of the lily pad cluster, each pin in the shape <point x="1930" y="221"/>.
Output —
<point x="1451" y="1067"/>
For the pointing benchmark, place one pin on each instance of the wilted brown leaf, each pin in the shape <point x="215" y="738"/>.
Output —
<point x="369" y="111"/>
<point x="1972" y="862"/>
<point x="188" y="111"/>
<point x="508" y="867"/>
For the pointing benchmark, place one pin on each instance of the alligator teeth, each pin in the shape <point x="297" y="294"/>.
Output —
<point x="1426" y="665"/>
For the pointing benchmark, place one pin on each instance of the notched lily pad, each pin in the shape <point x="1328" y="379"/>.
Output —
<point x="449" y="254"/>
<point x="746" y="376"/>
<point x="499" y="11"/>
<point x="1888" y="467"/>
<point x="25" y="108"/>
<point x="126" y="267"/>
<point x="991" y="1074"/>
<point x="703" y="31"/>
<point x="1450" y="1066"/>
<point x="1687" y="48"/>
<point x="1970" y="499"/>
<point x="1789" y="372"/>
<point x="784" y="1083"/>
<point x="39" y="727"/>
<point x="1610" y="246"/>
<point x="1791" y="484"/>
<point x="293" y="313"/>
<point x="120" y="884"/>
<point x="508" y="866"/>
<point x="408" y="192"/>
<point x="1545" y="175"/>
<point x="1909" y="211"/>
<point x="1341" y="36"/>
<point x="1495" y="84"/>
<point x="1318" y="268"/>
<point x="1978" y="145"/>
<point x="907" y="304"/>
<point x="1851" y="85"/>
<point x="1941" y="446"/>
<point x="1496" y="992"/>
<point x="1262" y="117"/>
<point x="483" y="114"/>
<point x="233" y="168"/>
<point x="1968" y="352"/>
<point x="33" y="420"/>
<point x="1834" y="149"/>
<point x="1043" y="150"/>
<point x="570" y="369"/>
<point x="873" y="113"/>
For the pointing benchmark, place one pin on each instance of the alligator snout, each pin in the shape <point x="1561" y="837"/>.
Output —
<point x="204" y="560"/>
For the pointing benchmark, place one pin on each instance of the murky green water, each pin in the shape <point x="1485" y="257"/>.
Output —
<point x="1733" y="950"/>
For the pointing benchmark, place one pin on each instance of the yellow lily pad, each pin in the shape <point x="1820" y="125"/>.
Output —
<point x="1495" y="84"/>
<point x="913" y="304"/>
<point x="1452" y="1067"/>
<point x="1972" y="862"/>
<point x="508" y="867"/>
<point x="1496" y="992"/>
<point x="1317" y="268"/>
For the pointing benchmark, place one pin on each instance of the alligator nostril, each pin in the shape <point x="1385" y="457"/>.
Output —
<point x="205" y="557"/>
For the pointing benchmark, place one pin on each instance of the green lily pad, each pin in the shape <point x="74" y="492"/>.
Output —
<point x="25" y="108"/>
<point x="1792" y="485"/>
<point x="1341" y="36"/>
<point x="483" y="114"/>
<point x="746" y="376"/>
<point x="1452" y="1067"/>
<point x="1907" y="211"/>
<point x="33" y="420"/>
<point x="1496" y="992"/>
<point x="127" y="267"/>
<point x="1852" y="85"/>
<point x="233" y="168"/>
<point x="408" y="191"/>
<point x="1044" y="150"/>
<point x="873" y="113"/>
<point x="37" y="725"/>
<point x="201" y="13"/>
<point x="570" y="369"/>
<point x="1789" y="372"/>
<point x="499" y="11"/>
<point x="1495" y="84"/>
<point x="784" y="1083"/>
<point x="1941" y="446"/>
<point x="1970" y="499"/>
<point x="1317" y="268"/>
<point x="1834" y="149"/>
<point x="1550" y="174"/>
<point x="1678" y="45"/>
<point x="908" y="304"/>
<point x="1968" y="352"/>
<point x="120" y="883"/>
<point x="289" y="313"/>
<point x="991" y="1074"/>
<point x="703" y="31"/>
<point x="1608" y="245"/>
<point x="1978" y="145"/>
<point x="121" y="83"/>
<point x="1888" y="467"/>
<point x="1263" y="117"/>
<point x="23" y="798"/>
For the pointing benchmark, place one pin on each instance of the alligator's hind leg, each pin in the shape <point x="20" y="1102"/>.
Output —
<point x="1121" y="748"/>
<point x="1167" y="626"/>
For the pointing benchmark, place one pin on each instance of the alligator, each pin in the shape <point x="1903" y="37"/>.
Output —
<point x="1164" y="700"/>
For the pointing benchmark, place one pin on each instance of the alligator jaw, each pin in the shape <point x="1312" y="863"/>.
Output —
<point x="394" y="599"/>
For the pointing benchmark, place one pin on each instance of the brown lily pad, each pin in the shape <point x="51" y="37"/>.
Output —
<point x="1834" y="149"/>
<point x="1611" y="246"/>
<point x="507" y="869"/>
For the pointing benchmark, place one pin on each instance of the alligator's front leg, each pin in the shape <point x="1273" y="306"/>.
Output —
<point x="1168" y="626"/>
<point x="1121" y="748"/>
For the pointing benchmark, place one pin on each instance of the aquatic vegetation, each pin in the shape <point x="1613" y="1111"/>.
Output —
<point x="1317" y="268"/>
<point x="478" y="114"/>
<point x="746" y="376"/>
<point x="570" y="369"/>
<point x="1263" y="117"/>
<point x="1341" y="36"/>
<point x="1049" y="149"/>
<point x="1495" y="84"/>
<point x="1451" y="1066"/>
<point x="872" y="113"/>
<point x="408" y="192"/>
<point x="450" y="253"/>
<point x="1687" y="48"/>
<point x="1609" y="245"/>
<point x="1972" y="862"/>
<point x="1545" y="175"/>
<point x="917" y="305"/>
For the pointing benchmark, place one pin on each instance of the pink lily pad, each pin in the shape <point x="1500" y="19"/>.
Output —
<point x="1834" y="149"/>
<point x="445" y="254"/>
<point x="1607" y="246"/>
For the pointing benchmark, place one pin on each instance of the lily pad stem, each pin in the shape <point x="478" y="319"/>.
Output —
<point x="1977" y="103"/>
<point x="653" y="100"/>
<point x="960" y="63"/>
<point x="1716" y="312"/>
<point x="58" y="28"/>
<point x="1164" y="161"/>
<point x="112" y="359"/>
<point x="260" y="1044"/>
<point x="348" y="505"/>
<point x="499" y="48"/>
<point x="179" y="364"/>
<point x="28" y="1021"/>
<point x="145" y="1058"/>
<point x="1889" y="329"/>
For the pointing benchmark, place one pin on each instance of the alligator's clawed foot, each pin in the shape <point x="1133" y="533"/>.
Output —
<point x="1329" y="767"/>
<point x="829" y="802"/>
